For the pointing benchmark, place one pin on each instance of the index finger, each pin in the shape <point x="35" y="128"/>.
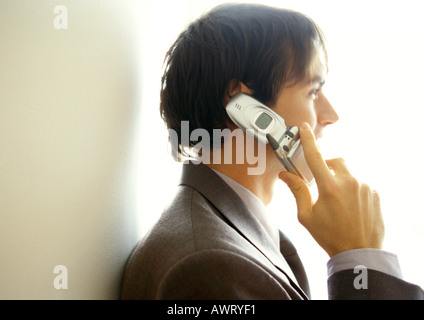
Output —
<point x="312" y="154"/>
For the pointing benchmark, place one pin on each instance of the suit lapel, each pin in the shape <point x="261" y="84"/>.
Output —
<point x="290" y="254"/>
<point x="213" y="188"/>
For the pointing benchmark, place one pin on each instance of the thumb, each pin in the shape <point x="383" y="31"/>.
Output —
<point x="301" y="193"/>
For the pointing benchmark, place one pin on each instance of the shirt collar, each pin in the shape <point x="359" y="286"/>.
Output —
<point x="255" y="205"/>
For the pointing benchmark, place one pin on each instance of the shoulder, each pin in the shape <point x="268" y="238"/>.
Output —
<point x="188" y="225"/>
<point x="216" y="274"/>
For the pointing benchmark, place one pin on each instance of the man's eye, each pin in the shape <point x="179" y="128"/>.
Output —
<point x="314" y="93"/>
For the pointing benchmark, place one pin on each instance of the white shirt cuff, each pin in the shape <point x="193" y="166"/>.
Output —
<point x="375" y="259"/>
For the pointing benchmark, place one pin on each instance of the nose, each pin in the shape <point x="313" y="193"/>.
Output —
<point x="326" y="114"/>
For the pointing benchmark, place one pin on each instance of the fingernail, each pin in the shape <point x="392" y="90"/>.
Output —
<point x="306" y="126"/>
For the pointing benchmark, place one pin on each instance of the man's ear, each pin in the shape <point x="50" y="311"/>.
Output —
<point x="236" y="86"/>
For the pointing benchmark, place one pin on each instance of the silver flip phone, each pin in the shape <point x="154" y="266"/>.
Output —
<point x="269" y="127"/>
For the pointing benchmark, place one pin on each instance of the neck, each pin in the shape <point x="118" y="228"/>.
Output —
<point x="262" y="185"/>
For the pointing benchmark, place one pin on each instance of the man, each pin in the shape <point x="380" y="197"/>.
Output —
<point x="215" y="240"/>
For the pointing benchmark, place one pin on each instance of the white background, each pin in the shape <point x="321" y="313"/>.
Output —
<point x="375" y="83"/>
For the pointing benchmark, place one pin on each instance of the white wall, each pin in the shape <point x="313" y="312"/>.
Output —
<point x="68" y="113"/>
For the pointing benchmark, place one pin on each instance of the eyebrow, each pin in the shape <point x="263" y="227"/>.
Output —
<point x="317" y="79"/>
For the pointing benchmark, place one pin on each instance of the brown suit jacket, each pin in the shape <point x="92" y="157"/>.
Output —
<point x="208" y="245"/>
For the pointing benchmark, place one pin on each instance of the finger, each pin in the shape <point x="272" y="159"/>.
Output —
<point x="313" y="156"/>
<point x="301" y="193"/>
<point x="376" y="199"/>
<point x="378" y="214"/>
<point x="338" y="166"/>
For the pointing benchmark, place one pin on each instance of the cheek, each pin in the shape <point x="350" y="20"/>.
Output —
<point x="297" y="112"/>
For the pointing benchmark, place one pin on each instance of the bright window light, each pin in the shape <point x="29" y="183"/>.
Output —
<point x="375" y="83"/>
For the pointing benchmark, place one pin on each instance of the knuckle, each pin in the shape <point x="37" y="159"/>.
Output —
<point x="366" y="188"/>
<point x="376" y="195"/>
<point x="301" y="217"/>
<point x="353" y="184"/>
<point x="330" y="189"/>
<point x="315" y="153"/>
<point x="339" y="159"/>
<point x="335" y="187"/>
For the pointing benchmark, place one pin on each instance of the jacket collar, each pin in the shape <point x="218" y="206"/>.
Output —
<point x="213" y="188"/>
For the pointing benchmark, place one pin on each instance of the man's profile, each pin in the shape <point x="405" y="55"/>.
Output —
<point x="215" y="240"/>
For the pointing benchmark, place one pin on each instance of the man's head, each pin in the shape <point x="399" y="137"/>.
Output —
<point x="259" y="48"/>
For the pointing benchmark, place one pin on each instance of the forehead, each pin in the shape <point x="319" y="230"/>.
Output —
<point x="315" y="67"/>
<point x="318" y="66"/>
<point x="315" y="73"/>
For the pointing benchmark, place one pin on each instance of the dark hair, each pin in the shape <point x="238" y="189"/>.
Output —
<point x="261" y="46"/>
